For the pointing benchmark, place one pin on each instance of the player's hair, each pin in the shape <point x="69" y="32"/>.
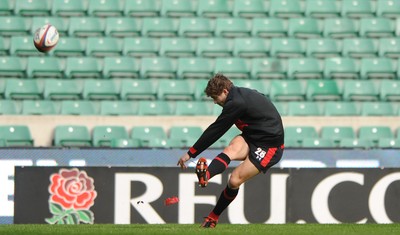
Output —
<point x="217" y="84"/>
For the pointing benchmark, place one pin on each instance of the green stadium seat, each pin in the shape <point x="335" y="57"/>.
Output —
<point x="226" y="138"/>
<point x="299" y="133"/>
<point x="105" y="8"/>
<point x="103" y="135"/>
<point x="322" y="90"/>
<point x="177" y="8"/>
<point x="44" y="67"/>
<point x="31" y="8"/>
<point x="355" y="143"/>
<point x="140" y="8"/>
<point x="322" y="9"/>
<point x="268" y="68"/>
<point x="72" y="136"/>
<point x="234" y="67"/>
<point x="322" y="48"/>
<point x="214" y="8"/>
<point x="14" y="26"/>
<point x="8" y="107"/>
<point x="259" y="85"/>
<point x="249" y="9"/>
<point x="318" y="143"/>
<point x="195" y="27"/>
<point x="303" y="108"/>
<point x="136" y="89"/>
<point x="82" y="67"/>
<point x="282" y="108"/>
<point x="299" y="68"/>
<point x="166" y="144"/>
<point x="23" y="46"/>
<point x="377" y="109"/>
<point x="341" y="108"/>
<point x="389" y="143"/>
<point x="172" y="89"/>
<point x="159" y="27"/>
<point x="186" y="134"/>
<point x="287" y="48"/>
<point x="78" y="107"/>
<point x="199" y="87"/>
<point x="62" y="89"/>
<point x="160" y="67"/>
<point x="337" y="133"/>
<point x="86" y="27"/>
<point x="389" y="47"/>
<point x="3" y="47"/>
<point x="2" y="88"/>
<point x="146" y="135"/>
<point x="58" y="22"/>
<point x="374" y="68"/>
<point x="118" y="108"/>
<point x="376" y="27"/>
<point x="194" y="67"/>
<point x="356" y="90"/>
<point x="232" y="27"/>
<point x="120" y="67"/>
<point x="103" y="47"/>
<point x="250" y="47"/>
<point x="28" y="89"/>
<point x="192" y="108"/>
<point x="68" y="47"/>
<point x="155" y="108"/>
<point x="216" y="110"/>
<point x="388" y="8"/>
<point x="357" y="9"/>
<point x="359" y="47"/>
<point x="268" y="27"/>
<point x="96" y="89"/>
<point x="70" y="8"/>
<point x="286" y="90"/>
<point x="16" y="135"/>
<point x="286" y="9"/>
<point x="374" y="133"/>
<point x="140" y="47"/>
<point x="12" y="66"/>
<point x="6" y="8"/>
<point x="39" y="107"/>
<point x="337" y="68"/>
<point x="125" y="143"/>
<point x="340" y="28"/>
<point x="177" y="47"/>
<point x="390" y="90"/>
<point x="214" y="47"/>
<point x="122" y="27"/>
<point x="304" y="28"/>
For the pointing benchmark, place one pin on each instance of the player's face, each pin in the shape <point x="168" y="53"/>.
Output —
<point x="220" y="99"/>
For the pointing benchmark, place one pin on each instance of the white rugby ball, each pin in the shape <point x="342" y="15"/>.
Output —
<point x="45" y="38"/>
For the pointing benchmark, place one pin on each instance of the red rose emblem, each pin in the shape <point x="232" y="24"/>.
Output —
<point x="72" y="189"/>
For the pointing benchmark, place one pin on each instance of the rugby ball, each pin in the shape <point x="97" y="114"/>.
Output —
<point x="45" y="38"/>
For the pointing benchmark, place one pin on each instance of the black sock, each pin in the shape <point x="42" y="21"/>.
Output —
<point x="227" y="196"/>
<point x="218" y="165"/>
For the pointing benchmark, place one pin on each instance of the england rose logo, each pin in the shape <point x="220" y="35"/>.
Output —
<point x="71" y="196"/>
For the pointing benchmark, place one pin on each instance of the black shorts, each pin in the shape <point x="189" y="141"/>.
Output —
<point x="265" y="157"/>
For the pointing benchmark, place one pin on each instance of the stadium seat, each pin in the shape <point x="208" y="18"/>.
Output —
<point x="232" y="27"/>
<point x="268" y="68"/>
<point x="195" y="67"/>
<point x="14" y="26"/>
<point x="16" y="135"/>
<point x="78" y="107"/>
<point x="227" y="137"/>
<point x="58" y="22"/>
<point x="44" y="67"/>
<point x="287" y="48"/>
<point x="160" y="67"/>
<point x="159" y="27"/>
<point x="177" y="8"/>
<point x="195" y="27"/>
<point x="268" y="27"/>
<point x="356" y="90"/>
<point x="192" y="108"/>
<point x="147" y="134"/>
<point x="388" y="8"/>
<point x="82" y="67"/>
<point x="250" y="47"/>
<point x="12" y="66"/>
<point x="377" y="109"/>
<point x="86" y="27"/>
<point x="72" y="136"/>
<point x="199" y="87"/>
<point x="155" y="108"/>
<point x="322" y="48"/>
<point x="29" y="8"/>
<point x="140" y="8"/>
<point x="186" y="134"/>
<point x="39" y="107"/>
<point x="259" y="85"/>
<point x="8" y="107"/>
<point x="177" y="47"/>
<point x="299" y="68"/>
<point x="359" y="48"/>
<point x="234" y="67"/>
<point x="286" y="90"/>
<point x="337" y="133"/>
<point x="105" y="8"/>
<point x="341" y="108"/>
<point x="140" y="47"/>
<point x="355" y="143"/>
<point x="322" y="9"/>
<point x="214" y="47"/>
<point x="339" y="28"/>
<point x="281" y="107"/>
<point x="62" y="89"/>
<point x="357" y="9"/>
<point x="249" y="9"/>
<point x="374" y="133"/>
<point x="303" y="108"/>
<point x="318" y="143"/>
<point x="3" y="47"/>
<point x="118" y="108"/>
<point x="23" y="46"/>
<point x="337" y="68"/>
<point x="28" y="89"/>
<point x="70" y="8"/>
<point x="103" y="47"/>
<point x="120" y="67"/>
<point x="102" y="135"/>
<point x="137" y="89"/>
<point x="322" y="90"/>
<point x="304" y="28"/>
<point x="286" y="9"/>
<point x="172" y="89"/>
<point x="96" y="89"/>
<point x="389" y="143"/>
<point x="214" y="8"/>
<point x="68" y="47"/>
<point x="299" y="133"/>
<point x="122" y="27"/>
<point x="376" y="27"/>
<point x="6" y="8"/>
<point x="374" y="68"/>
<point x="390" y="90"/>
<point x="125" y="143"/>
<point x="389" y="47"/>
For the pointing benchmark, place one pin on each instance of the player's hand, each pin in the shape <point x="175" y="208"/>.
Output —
<point x="182" y="161"/>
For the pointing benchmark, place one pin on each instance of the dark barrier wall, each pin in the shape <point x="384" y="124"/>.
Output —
<point x="124" y="195"/>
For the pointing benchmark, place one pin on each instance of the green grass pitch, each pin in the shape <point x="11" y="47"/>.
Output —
<point x="193" y="229"/>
